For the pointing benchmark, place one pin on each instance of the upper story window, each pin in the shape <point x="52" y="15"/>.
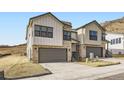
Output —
<point x="103" y="36"/>
<point x="43" y="31"/>
<point x="116" y="41"/>
<point x="92" y="35"/>
<point x="66" y="35"/>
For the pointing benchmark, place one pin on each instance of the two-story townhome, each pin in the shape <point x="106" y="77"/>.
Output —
<point x="92" y="39"/>
<point x="50" y="39"/>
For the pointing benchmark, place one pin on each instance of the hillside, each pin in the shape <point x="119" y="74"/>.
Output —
<point x="114" y="25"/>
<point x="17" y="49"/>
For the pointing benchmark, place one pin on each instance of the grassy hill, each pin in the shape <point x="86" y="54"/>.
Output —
<point x="116" y="25"/>
<point x="14" y="50"/>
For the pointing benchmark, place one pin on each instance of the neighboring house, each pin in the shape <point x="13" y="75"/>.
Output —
<point x="51" y="40"/>
<point x="115" y="35"/>
<point x="116" y="45"/>
<point x="92" y="39"/>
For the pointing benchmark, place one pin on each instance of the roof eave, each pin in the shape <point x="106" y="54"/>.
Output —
<point x="90" y="23"/>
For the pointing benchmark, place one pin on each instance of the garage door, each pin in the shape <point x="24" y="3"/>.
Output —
<point x="52" y="55"/>
<point x="98" y="51"/>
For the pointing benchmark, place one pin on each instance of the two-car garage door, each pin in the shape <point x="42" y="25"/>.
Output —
<point x="98" y="51"/>
<point x="52" y="55"/>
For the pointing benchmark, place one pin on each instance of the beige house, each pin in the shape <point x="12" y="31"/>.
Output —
<point x="50" y="39"/>
<point x="92" y="39"/>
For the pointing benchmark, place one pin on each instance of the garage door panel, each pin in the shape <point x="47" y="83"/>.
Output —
<point x="52" y="55"/>
<point x="96" y="50"/>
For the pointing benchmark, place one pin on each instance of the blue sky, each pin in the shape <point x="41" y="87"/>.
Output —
<point x="13" y="24"/>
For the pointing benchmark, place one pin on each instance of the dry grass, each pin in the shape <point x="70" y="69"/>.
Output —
<point x="118" y="55"/>
<point x="9" y="61"/>
<point x="23" y="70"/>
<point x="19" y="67"/>
<point x="99" y="63"/>
<point x="18" y="50"/>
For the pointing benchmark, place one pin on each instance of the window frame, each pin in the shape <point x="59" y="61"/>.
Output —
<point x="119" y="40"/>
<point x="103" y="36"/>
<point x="112" y="42"/>
<point x="93" y="37"/>
<point x="67" y="36"/>
<point x="44" y="33"/>
<point x="115" y="41"/>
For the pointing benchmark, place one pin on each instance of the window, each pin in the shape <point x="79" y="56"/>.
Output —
<point x="116" y="41"/>
<point x="93" y="35"/>
<point x="66" y="35"/>
<point x="43" y="28"/>
<point x="43" y="31"/>
<point x="50" y="29"/>
<point x="113" y="41"/>
<point x="37" y="27"/>
<point x="103" y="36"/>
<point x="37" y="33"/>
<point x="119" y="40"/>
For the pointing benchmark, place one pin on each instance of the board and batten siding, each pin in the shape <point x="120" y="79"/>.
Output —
<point x="74" y="35"/>
<point x="93" y="27"/>
<point x="80" y="34"/>
<point x="49" y="21"/>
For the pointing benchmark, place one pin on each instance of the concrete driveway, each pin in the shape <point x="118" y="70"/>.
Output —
<point x="63" y="71"/>
<point x="75" y="71"/>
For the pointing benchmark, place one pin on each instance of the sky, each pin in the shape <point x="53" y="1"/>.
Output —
<point x="13" y="24"/>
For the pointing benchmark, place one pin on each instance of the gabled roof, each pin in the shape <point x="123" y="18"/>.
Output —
<point x="49" y="13"/>
<point x="94" y="21"/>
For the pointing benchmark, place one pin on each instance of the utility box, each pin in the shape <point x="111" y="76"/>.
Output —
<point x="97" y="58"/>
<point x="91" y="55"/>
